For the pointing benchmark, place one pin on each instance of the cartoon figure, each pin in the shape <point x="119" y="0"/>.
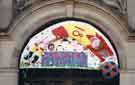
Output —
<point x="37" y="54"/>
<point x="66" y="45"/>
<point x="51" y="47"/>
<point x="36" y="51"/>
<point x="31" y="51"/>
<point x="59" y="48"/>
<point x="86" y="37"/>
<point x="76" y="46"/>
<point x="97" y="44"/>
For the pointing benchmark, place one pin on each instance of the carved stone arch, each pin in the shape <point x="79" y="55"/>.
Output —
<point x="109" y="23"/>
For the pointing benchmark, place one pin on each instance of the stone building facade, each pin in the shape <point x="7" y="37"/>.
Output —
<point x="30" y="18"/>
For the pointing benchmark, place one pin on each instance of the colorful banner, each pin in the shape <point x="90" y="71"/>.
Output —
<point x="61" y="59"/>
<point x="68" y="44"/>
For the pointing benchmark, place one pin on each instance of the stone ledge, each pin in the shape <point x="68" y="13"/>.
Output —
<point x="15" y="69"/>
<point x="128" y="71"/>
<point x="8" y="70"/>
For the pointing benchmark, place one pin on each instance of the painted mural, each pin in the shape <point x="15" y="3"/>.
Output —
<point x="70" y="45"/>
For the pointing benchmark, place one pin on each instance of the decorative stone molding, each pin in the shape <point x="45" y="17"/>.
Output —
<point x="35" y="18"/>
<point x="6" y="14"/>
<point x="119" y="4"/>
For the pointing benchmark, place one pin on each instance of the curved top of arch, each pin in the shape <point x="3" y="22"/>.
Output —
<point x="69" y="44"/>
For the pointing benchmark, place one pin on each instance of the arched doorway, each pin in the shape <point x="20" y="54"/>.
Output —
<point x="69" y="51"/>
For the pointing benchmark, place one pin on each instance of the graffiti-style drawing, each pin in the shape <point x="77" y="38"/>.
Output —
<point x="68" y="44"/>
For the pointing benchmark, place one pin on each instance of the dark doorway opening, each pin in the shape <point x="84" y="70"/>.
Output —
<point x="64" y="77"/>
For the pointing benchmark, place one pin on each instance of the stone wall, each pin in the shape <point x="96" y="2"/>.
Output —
<point x="9" y="70"/>
<point x="12" y="42"/>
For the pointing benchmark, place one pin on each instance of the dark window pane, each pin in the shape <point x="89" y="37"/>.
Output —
<point x="56" y="83"/>
<point x="26" y="83"/>
<point x="81" y="83"/>
<point x="39" y="83"/>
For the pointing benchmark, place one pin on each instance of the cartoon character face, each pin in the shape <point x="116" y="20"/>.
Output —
<point x="59" y="48"/>
<point x="95" y="42"/>
<point x="76" y="46"/>
<point x="51" y="47"/>
<point x="66" y="45"/>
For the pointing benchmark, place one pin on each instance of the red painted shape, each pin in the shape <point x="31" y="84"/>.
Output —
<point x="60" y="32"/>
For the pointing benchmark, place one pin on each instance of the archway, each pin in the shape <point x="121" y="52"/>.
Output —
<point x="70" y="44"/>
